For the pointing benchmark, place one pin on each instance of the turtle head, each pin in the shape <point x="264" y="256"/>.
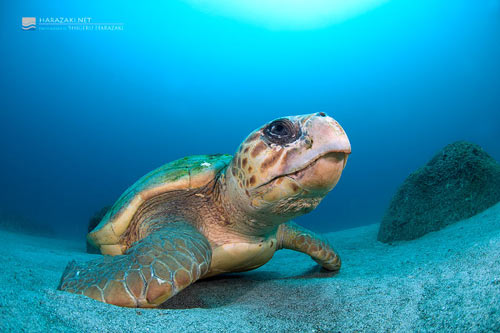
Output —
<point x="284" y="169"/>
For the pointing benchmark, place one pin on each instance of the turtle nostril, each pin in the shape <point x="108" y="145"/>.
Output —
<point x="322" y="114"/>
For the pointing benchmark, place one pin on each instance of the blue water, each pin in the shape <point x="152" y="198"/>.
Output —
<point x="83" y="114"/>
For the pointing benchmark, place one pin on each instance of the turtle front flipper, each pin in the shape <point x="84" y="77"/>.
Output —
<point x="294" y="237"/>
<point x="151" y="271"/>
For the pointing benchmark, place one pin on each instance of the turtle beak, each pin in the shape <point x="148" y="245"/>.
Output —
<point x="323" y="174"/>
<point x="330" y="147"/>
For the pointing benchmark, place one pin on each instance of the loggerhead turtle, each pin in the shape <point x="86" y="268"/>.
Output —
<point x="205" y="215"/>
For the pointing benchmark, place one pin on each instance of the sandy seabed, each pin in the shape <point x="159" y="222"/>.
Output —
<point x="446" y="281"/>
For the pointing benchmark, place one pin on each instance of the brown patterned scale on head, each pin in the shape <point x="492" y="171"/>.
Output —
<point x="210" y="214"/>
<point x="301" y="156"/>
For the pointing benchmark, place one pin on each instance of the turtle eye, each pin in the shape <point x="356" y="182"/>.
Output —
<point x="282" y="131"/>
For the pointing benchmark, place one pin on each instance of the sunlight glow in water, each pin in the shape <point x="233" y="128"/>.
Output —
<point x="288" y="14"/>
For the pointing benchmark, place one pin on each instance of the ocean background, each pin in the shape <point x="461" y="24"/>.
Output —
<point x="84" y="114"/>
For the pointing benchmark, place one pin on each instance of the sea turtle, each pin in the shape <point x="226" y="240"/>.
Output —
<point x="204" y="215"/>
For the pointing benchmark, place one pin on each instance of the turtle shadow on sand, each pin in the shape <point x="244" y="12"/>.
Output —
<point x="226" y="289"/>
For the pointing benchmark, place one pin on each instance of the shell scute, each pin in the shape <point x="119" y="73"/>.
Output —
<point x="185" y="173"/>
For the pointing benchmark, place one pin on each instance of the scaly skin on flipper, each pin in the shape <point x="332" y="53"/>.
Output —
<point x="154" y="269"/>
<point x="294" y="237"/>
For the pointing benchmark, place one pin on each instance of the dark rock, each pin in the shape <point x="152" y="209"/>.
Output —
<point x="462" y="180"/>
<point x="93" y="222"/>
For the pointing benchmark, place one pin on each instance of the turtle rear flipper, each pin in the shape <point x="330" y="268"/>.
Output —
<point x="151" y="271"/>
